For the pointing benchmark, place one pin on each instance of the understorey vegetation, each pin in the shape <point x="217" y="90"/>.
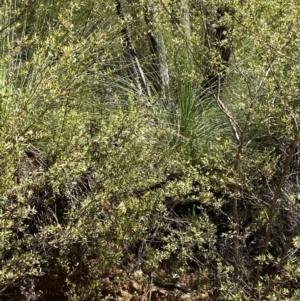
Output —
<point x="149" y="150"/>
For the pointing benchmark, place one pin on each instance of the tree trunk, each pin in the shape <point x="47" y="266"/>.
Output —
<point x="135" y="70"/>
<point x="218" y="46"/>
<point x="157" y="48"/>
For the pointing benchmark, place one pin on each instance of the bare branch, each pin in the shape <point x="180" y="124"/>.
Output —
<point x="234" y="125"/>
<point x="273" y="207"/>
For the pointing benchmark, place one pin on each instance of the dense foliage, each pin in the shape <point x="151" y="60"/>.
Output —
<point x="149" y="150"/>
